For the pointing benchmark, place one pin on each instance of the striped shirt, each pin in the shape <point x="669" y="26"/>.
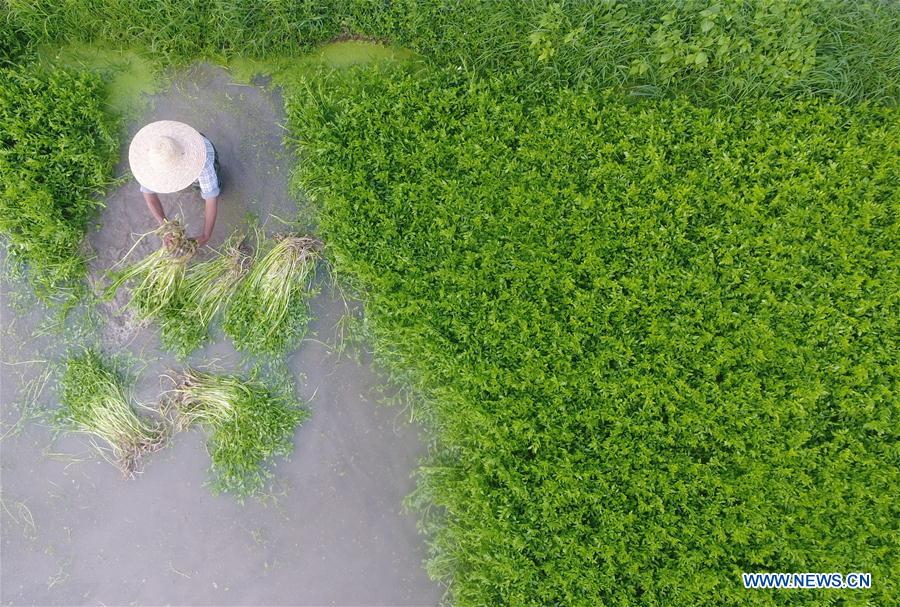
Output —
<point x="208" y="180"/>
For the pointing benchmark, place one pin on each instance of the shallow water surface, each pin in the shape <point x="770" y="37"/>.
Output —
<point x="291" y="71"/>
<point x="130" y="75"/>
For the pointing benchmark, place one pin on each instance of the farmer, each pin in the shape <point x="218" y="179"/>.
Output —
<point x="168" y="156"/>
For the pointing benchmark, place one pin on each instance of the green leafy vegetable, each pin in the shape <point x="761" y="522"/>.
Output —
<point x="656" y="342"/>
<point x="94" y="400"/>
<point x="708" y="50"/>
<point x="58" y="146"/>
<point x="206" y="289"/>
<point x="248" y="426"/>
<point x="268" y="313"/>
<point x="159" y="276"/>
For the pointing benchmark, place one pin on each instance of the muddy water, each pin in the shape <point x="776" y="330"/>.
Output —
<point x="332" y="530"/>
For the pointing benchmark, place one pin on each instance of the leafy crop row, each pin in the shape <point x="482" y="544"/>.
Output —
<point x="722" y="49"/>
<point x="58" y="146"/>
<point x="658" y="342"/>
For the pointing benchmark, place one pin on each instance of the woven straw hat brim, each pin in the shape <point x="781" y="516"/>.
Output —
<point x="170" y="174"/>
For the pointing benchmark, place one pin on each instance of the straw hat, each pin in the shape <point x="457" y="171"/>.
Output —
<point x="166" y="156"/>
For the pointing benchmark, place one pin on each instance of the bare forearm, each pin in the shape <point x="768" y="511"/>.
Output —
<point x="155" y="207"/>
<point x="212" y="208"/>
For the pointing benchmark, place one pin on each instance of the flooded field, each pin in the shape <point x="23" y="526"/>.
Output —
<point x="332" y="530"/>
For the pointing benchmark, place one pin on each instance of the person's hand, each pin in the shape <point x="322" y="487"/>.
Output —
<point x="201" y="240"/>
<point x="168" y="240"/>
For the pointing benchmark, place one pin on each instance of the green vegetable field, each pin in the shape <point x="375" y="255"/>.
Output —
<point x="58" y="150"/>
<point x="657" y="341"/>
<point x="636" y="262"/>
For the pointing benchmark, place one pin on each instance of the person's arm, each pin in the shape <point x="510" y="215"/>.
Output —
<point x="155" y="207"/>
<point x="209" y="191"/>
<point x="212" y="207"/>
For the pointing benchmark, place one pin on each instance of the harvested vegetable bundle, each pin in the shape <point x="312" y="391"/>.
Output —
<point x="249" y="425"/>
<point x="94" y="400"/>
<point x="205" y="290"/>
<point x="268" y="312"/>
<point x="160" y="273"/>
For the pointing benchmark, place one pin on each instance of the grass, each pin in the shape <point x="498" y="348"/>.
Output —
<point x="205" y="291"/>
<point x="249" y="425"/>
<point x="159" y="276"/>
<point x="268" y="313"/>
<point x="94" y="400"/>
<point x="655" y="341"/>
<point x="718" y="51"/>
<point x="58" y="146"/>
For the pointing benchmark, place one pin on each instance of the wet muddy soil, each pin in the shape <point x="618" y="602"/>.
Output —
<point x="332" y="530"/>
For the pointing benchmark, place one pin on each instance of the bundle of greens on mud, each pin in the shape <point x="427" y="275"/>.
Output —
<point x="249" y="424"/>
<point x="94" y="400"/>
<point x="205" y="291"/>
<point x="158" y="277"/>
<point x="269" y="313"/>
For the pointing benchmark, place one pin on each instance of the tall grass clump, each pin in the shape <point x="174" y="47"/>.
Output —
<point x="58" y="146"/>
<point x="657" y="341"/>
<point x="12" y="45"/>
<point x="249" y="425"/>
<point x="157" y="277"/>
<point x="179" y="31"/>
<point x="206" y="290"/>
<point x="269" y="311"/>
<point x="707" y="50"/>
<point x="710" y="51"/>
<point x="94" y="400"/>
